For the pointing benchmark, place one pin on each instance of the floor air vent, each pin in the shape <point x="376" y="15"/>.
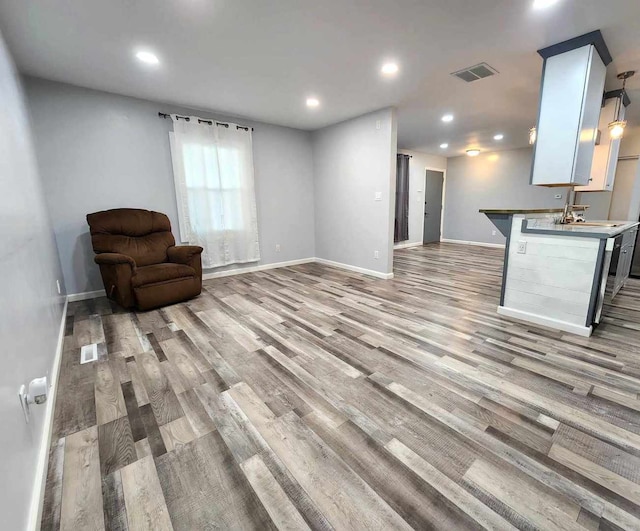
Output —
<point x="472" y="73"/>
<point x="89" y="353"/>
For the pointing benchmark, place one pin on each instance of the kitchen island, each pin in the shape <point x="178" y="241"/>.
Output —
<point x="558" y="275"/>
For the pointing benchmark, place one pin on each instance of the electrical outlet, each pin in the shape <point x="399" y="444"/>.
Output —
<point x="493" y="233"/>
<point x="58" y="287"/>
<point x="378" y="124"/>
<point x="522" y="247"/>
<point x="378" y="196"/>
<point x="277" y="247"/>
<point x="376" y="254"/>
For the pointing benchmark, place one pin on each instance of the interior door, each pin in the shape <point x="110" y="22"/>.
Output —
<point x="434" y="181"/>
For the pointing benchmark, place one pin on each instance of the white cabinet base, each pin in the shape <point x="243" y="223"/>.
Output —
<point x="556" y="324"/>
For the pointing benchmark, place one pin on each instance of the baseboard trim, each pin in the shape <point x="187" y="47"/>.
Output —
<point x="355" y="269"/>
<point x="254" y="269"/>
<point x="39" y="484"/>
<point x="241" y="270"/>
<point x="556" y="324"/>
<point x="407" y="245"/>
<point x="73" y="297"/>
<point x="480" y="244"/>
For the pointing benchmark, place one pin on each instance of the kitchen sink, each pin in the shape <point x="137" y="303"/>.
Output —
<point x="595" y="224"/>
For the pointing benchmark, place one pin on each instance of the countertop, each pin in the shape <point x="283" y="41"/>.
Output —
<point x="589" y="231"/>
<point x="520" y="210"/>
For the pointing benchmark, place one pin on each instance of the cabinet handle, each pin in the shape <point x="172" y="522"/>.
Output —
<point x="625" y="251"/>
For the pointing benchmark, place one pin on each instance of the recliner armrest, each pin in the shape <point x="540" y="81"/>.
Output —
<point x="183" y="254"/>
<point x="114" y="259"/>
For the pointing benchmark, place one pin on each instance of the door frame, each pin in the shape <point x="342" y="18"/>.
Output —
<point x="424" y="199"/>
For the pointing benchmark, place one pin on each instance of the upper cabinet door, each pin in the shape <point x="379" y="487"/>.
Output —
<point x="572" y="89"/>
<point x="605" y="154"/>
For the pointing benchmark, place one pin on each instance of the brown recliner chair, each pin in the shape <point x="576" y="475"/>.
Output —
<point x="139" y="262"/>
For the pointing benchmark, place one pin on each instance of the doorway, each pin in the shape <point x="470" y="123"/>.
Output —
<point x="434" y="182"/>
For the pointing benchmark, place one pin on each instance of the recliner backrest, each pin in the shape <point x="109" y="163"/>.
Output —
<point x="143" y="235"/>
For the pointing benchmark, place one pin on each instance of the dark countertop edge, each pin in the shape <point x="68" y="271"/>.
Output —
<point x="520" y="211"/>
<point x="598" y="235"/>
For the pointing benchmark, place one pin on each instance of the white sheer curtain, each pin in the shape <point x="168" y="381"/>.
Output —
<point x="213" y="173"/>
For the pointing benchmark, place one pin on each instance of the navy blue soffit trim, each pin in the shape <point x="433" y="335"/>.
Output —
<point x="594" y="37"/>
<point x="626" y="100"/>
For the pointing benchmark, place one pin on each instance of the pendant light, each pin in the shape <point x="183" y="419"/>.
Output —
<point x="616" y="128"/>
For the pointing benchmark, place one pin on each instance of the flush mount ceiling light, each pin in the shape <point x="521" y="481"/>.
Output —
<point x="499" y="136"/>
<point x="444" y="145"/>
<point x="147" y="57"/>
<point x="542" y="4"/>
<point x="389" y="69"/>
<point x="473" y="152"/>
<point x="447" y="118"/>
<point x="533" y="135"/>
<point x="616" y="128"/>
<point x="313" y="102"/>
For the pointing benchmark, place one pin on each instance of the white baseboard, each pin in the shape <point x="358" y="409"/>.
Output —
<point x="556" y="324"/>
<point x="37" y="496"/>
<point x="407" y="245"/>
<point x="370" y="272"/>
<point x="240" y="270"/>
<point x="73" y="297"/>
<point x="465" y="242"/>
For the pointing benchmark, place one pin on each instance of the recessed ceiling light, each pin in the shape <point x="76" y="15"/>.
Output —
<point x="473" y="152"/>
<point x="447" y="118"/>
<point x="541" y="4"/>
<point x="444" y="145"/>
<point x="313" y="102"/>
<point x="499" y="136"/>
<point x="147" y="57"/>
<point x="388" y="69"/>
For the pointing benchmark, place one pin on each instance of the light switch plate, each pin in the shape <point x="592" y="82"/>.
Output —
<point x="378" y="196"/>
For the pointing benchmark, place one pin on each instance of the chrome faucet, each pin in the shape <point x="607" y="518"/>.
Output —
<point x="568" y="214"/>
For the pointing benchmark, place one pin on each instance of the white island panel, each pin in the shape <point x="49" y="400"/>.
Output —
<point x="551" y="282"/>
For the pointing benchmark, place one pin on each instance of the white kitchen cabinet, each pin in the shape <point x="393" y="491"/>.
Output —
<point x="624" y="260"/>
<point x="605" y="155"/>
<point x="572" y="89"/>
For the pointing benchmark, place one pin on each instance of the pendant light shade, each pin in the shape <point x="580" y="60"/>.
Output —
<point x="616" y="128"/>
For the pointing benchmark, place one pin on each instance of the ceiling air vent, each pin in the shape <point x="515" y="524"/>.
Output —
<point x="475" y="72"/>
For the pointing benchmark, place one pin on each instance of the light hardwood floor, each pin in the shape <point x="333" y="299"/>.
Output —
<point x="311" y="397"/>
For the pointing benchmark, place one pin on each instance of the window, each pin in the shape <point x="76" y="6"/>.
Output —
<point x="213" y="172"/>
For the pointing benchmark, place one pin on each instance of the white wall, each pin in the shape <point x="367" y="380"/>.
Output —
<point x="98" y="150"/>
<point x="418" y="165"/>
<point x="625" y="198"/>
<point x="490" y="180"/>
<point x="31" y="309"/>
<point x="354" y="160"/>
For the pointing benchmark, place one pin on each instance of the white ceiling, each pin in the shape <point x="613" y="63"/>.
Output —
<point x="261" y="59"/>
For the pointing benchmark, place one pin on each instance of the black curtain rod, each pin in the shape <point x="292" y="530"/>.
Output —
<point x="410" y="156"/>
<point x="201" y="121"/>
